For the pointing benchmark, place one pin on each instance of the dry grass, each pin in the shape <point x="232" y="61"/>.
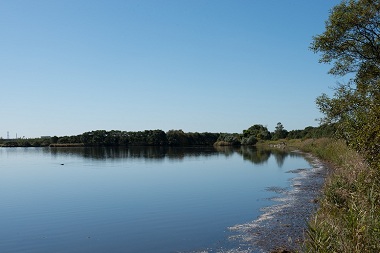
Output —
<point x="348" y="219"/>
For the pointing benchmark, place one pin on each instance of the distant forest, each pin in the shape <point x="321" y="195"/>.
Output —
<point x="250" y="136"/>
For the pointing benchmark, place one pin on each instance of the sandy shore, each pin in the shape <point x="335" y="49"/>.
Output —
<point x="281" y="227"/>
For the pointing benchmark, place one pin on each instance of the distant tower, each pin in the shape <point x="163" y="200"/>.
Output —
<point x="8" y="135"/>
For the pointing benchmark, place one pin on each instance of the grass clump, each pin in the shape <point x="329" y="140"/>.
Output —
<point x="348" y="219"/>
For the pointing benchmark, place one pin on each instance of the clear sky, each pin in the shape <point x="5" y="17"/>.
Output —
<point x="71" y="66"/>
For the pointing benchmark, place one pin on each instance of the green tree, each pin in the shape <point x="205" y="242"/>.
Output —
<point x="260" y="132"/>
<point x="226" y="139"/>
<point x="249" y="141"/>
<point x="155" y="137"/>
<point x="279" y="132"/>
<point x="351" y="42"/>
<point x="54" y="139"/>
<point x="351" y="39"/>
<point x="177" y="138"/>
<point x="296" y="134"/>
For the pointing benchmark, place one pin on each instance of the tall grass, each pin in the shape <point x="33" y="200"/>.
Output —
<point x="348" y="219"/>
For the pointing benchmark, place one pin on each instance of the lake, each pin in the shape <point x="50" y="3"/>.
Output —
<point x="136" y="199"/>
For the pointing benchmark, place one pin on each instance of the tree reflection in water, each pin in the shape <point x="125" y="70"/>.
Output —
<point x="252" y="154"/>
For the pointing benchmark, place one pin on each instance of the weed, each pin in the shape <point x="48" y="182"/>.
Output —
<point x="348" y="219"/>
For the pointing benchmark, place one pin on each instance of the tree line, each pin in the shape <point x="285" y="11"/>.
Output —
<point x="249" y="136"/>
<point x="141" y="138"/>
<point x="259" y="133"/>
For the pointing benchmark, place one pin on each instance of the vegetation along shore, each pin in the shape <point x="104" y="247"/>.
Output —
<point x="348" y="218"/>
<point x="349" y="213"/>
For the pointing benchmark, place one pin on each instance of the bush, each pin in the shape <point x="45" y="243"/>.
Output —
<point x="249" y="141"/>
<point x="228" y="140"/>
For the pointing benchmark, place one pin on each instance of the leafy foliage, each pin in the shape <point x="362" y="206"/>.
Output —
<point x="260" y="132"/>
<point x="324" y="130"/>
<point x="180" y="138"/>
<point x="227" y="139"/>
<point x="351" y="40"/>
<point x="352" y="43"/>
<point x="279" y="132"/>
<point x="251" y="140"/>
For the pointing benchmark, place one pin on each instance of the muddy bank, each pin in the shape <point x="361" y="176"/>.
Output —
<point x="282" y="226"/>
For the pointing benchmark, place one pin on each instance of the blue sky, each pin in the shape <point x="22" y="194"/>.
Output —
<point x="71" y="66"/>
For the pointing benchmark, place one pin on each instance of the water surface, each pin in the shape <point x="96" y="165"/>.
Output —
<point x="141" y="199"/>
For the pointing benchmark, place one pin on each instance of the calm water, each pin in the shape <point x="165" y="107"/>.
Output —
<point x="133" y="199"/>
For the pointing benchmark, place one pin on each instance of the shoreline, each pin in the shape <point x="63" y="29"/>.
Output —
<point x="282" y="226"/>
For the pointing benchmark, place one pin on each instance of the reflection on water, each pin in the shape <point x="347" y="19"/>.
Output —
<point x="252" y="154"/>
<point x="257" y="156"/>
<point x="134" y="199"/>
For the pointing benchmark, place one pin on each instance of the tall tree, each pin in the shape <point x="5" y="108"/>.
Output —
<point x="351" y="39"/>
<point x="279" y="132"/>
<point x="351" y="42"/>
